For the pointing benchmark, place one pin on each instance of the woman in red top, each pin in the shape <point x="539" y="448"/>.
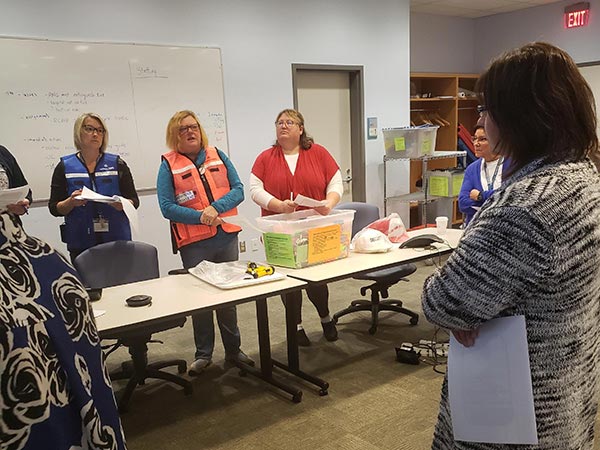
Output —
<point x="296" y="165"/>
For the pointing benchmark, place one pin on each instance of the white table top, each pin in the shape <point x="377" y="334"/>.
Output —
<point x="175" y="296"/>
<point x="357" y="263"/>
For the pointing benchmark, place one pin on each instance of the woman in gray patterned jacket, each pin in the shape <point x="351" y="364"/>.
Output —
<point x="534" y="247"/>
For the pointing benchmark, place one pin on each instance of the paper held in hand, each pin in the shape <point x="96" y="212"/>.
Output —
<point x="128" y="209"/>
<point x="301" y="200"/>
<point x="12" y="196"/>
<point x="91" y="196"/>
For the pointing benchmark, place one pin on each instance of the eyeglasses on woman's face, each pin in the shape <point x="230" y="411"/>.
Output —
<point x="91" y="130"/>
<point x="481" y="109"/>
<point x="285" y="123"/>
<point x="480" y="140"/>
<point x="184" y="129"/>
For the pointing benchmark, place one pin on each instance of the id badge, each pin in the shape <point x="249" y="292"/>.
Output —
<point x="100" y="225"/>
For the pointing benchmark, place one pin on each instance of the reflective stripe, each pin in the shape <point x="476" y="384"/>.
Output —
<point x="184" y="169"/>
<point x="107" y="173"/>
<point x="77" y="175"/>
<point x="214" y="163"/>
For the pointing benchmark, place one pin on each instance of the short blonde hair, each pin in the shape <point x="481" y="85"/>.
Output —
<point x="173" y="129"/>
<point x="79" y="125"/>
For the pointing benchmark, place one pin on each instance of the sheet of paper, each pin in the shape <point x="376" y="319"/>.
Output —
<point x="12" y="196"/>
<point x="98" y="312"/>
<point x="489" y="385"/>
<point x="128" y="209"/>
<point x="131" y="214"/>
<point x="89" y="195"/>
<point x="301" y="200"/>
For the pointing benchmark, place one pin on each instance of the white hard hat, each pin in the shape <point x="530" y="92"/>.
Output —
<point x="371" y="241"/>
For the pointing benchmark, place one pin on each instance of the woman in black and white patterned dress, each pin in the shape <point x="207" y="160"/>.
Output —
<point x="55" y="392"/>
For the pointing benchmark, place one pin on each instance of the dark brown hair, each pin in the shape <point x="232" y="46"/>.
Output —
<point x="306" y="141"/>
<point x="541" y="105"/>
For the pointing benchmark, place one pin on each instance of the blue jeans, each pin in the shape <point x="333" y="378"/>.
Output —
<point x="223" y="247"/>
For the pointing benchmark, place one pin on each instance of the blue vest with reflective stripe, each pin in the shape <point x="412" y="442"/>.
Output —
<point x="79" y="223"/>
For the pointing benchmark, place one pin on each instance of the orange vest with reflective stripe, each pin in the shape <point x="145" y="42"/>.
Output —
<point x="189" y="183"/>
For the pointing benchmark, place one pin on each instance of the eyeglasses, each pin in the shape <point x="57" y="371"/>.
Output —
<point x="90" y="129"/>
<point x="186" y="128"/>
<point x="481" y="109"/>
<point x="286" y="123"/>
<point x="481" y="140"/>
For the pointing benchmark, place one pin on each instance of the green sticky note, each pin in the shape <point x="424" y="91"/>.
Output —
<point x="438" y="186"/>
<point x="400" y="144"/>
<point x="426" y="147"/>
<point x="279" y="249"/>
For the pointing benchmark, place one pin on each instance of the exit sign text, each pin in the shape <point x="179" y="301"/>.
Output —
<point x="577" y="15"/>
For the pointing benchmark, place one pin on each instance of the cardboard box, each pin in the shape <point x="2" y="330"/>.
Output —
<point x="409" y="142"/>
<point x="305" y="238"/>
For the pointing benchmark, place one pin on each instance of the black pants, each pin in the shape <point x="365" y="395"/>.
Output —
<point x="318" y="295"/>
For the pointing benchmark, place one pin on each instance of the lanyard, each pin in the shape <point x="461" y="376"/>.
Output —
<point x="490" y="184"/>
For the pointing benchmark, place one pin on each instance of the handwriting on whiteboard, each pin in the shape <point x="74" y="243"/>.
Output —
<point x="147" y="72"/>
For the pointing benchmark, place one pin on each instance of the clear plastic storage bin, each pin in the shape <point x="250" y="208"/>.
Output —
<point x="409" y="142"/>
<point x="444" y="183"/>
<point x="304" y="238"/>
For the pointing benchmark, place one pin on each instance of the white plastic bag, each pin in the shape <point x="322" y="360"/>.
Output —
<point x="222" y="273"/>
<point x="392" y="227"/>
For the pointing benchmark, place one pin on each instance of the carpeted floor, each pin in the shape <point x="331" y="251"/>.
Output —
<point x="374" y="402"/>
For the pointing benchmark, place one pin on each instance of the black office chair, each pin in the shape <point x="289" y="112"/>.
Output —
<point x="383" y="278"/>
<point x="122" y="262"/>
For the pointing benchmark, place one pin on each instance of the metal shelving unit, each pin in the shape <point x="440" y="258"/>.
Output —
<point x="420" y="196"/>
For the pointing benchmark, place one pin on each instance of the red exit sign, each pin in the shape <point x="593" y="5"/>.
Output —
<point x="577" y="15"/>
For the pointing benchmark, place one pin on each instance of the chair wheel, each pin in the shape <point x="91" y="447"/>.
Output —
<point x="297" y="397"/>
<point x="414" y="320"/>
<point x="182" y="368"/>
<point x="372" y="330"/>
<point x="323" y="392"/>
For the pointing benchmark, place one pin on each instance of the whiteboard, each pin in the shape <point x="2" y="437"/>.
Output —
<point x="591" y="72"/>
<point x="46" y="85"/>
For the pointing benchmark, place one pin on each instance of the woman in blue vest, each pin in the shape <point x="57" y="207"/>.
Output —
<point x="481" y="177"/>
<point x="91" y="223"/>
<point x="197" y="186"/>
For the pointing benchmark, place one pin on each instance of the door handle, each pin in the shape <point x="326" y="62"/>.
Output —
<point x="348" y="178"/>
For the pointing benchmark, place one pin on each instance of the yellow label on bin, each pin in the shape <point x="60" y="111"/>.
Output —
<point x="457" y="181"/>
<point x="426" y="147"/>
<point x="400" y="144"/>
<point x="438" y="186"/>
<point x="324" y="243"/>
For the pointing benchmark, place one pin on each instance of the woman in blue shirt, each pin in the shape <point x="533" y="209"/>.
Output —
<point x="481" y="177"/>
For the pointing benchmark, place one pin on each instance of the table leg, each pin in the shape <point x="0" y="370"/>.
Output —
<point x="293" y="357"/>
<point x="266" y="361"/>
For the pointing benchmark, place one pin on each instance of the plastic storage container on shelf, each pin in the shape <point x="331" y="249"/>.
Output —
<point x="444" y="183"/>
<point x="409" y="142"/>
<point x="304" y="238"/>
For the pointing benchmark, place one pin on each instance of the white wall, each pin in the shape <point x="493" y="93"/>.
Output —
<point x="259" y="42"/>
<point x="442" y="44"/>
<point x="502" y="32"/>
